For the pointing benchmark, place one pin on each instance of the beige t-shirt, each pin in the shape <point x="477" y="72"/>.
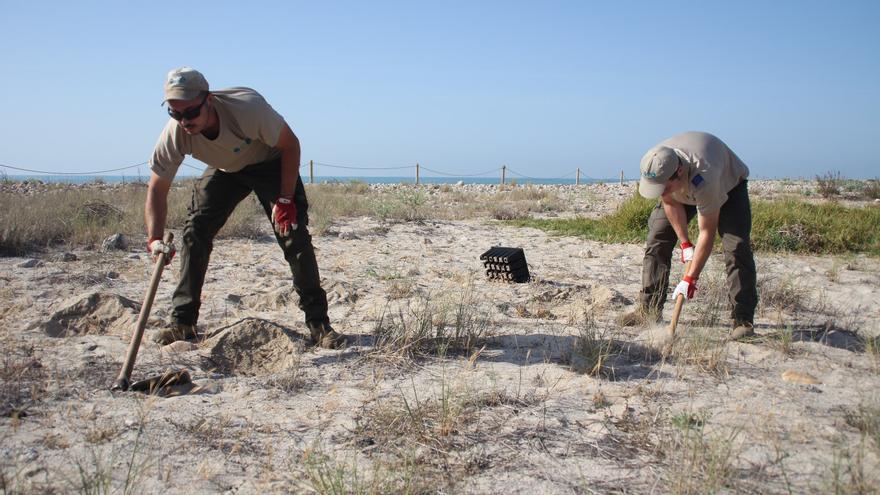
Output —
<point x="712" y="170"/>
<point x="249" y="130"/>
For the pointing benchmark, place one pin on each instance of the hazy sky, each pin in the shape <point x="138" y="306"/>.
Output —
<point x="460" y="87"/>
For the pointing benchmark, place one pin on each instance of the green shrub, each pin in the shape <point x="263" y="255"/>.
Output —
<point x="629" y="223"/>
<point x="801" y="227"/>
<point x="787" y="226"/>
<point x="829" y="184"/>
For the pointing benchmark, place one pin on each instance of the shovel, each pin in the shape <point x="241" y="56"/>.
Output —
<point x="123" y="382"/>
<point x="676" y="312"/>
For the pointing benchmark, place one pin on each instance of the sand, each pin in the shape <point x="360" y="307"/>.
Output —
<point x="518" y="413"/>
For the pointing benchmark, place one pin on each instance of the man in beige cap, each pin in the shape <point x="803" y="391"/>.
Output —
<point x="696" y="174"/>
<point x="248" y="147"/>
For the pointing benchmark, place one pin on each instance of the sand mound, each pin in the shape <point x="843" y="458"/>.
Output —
<point x="252" y="346"/>
<point x="275" y="299"/>
<point x="339" y="292"/>
<point x="96" y="313"/>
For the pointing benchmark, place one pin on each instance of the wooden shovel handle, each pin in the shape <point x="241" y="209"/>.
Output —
<point x="676" y="312"/>
<point x="124" y="379"/>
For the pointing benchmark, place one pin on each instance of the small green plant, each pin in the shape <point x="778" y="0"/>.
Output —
<point x="872" y="349"/>
<point x="689" y="419"/>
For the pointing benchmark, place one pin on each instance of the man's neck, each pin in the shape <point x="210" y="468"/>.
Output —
<point x="212" y="129"/>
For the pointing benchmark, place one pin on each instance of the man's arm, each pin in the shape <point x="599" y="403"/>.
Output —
<point x="708" y="225"/>
<point x="288" y="145"/>
<point x="677" y="217"/>
<point x="156" y="208"/>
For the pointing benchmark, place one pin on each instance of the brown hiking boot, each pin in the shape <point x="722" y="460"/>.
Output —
<point x="175" y="332"/>
<point x="638" y="317"/>
<point x="323" y="335"/>
<point x="742" y="331"/>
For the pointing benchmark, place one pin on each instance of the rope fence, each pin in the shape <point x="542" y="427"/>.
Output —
<point x="503" y="170"/>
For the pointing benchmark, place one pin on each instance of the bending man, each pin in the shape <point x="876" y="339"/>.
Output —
<point x="248" y="147"/>
<point x="696" y="174"/>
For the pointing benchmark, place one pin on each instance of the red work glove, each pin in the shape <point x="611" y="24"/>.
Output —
<point x="687" y="252"/>
<point x="687" y="287"/>
<point x="155" y="247"/>
<point x="284" y="215"/>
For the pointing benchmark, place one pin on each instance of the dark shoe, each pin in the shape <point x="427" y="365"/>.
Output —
<point x="638" y="317"/>
<point x="742" y="331"/>
<point x="323" y="335"/>
<point x="175" y="332"/>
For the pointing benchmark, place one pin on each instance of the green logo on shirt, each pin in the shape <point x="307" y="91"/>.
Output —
<point x="244" y="143"/>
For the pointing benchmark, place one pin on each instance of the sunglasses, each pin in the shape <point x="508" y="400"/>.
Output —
<point x="189" y="113"/>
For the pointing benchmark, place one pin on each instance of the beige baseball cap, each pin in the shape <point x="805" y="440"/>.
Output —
<point x="184" y="83"/>
<point x="657" y="167"/>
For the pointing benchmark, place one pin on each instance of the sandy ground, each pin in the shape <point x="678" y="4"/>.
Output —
<point x="518" y="414"/>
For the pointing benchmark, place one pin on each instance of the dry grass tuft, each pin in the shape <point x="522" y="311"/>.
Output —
<point x="593" y="350"/>
<point x="23" y="380"/>
<point x="866" y="419"/>
<point x="700" y="462"/>
<point x="704" y="348"/>
<point x="420" y="327"/>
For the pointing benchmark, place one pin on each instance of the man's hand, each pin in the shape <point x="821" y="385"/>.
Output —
<point x="687" y="251"/>
<point x="155" y="247"/>
<point x="284" y="215"/>
<point x="687" y="287"/>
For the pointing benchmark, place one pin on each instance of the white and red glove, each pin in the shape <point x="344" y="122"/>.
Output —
<point x="687" y="287"/>
<point x="687" y="252"/>
<point x="155" y="247"/>
<point x="284" y="215"/>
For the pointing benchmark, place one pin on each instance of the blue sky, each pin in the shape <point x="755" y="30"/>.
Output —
<point x="460" y="87"/>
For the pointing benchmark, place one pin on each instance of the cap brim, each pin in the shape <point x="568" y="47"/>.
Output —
<point x="181" y="94"/>
<point x="651" y="190"/>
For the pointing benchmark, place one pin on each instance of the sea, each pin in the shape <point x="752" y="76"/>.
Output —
<point x="122" y="179"/>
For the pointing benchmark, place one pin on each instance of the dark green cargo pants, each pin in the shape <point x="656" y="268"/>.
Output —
<point x="734" y="227"/>
<point x="215" y="196"/>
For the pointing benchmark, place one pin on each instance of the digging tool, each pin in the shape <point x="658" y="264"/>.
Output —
<point x="124" y="379"/>
<point x="679" y="302"/>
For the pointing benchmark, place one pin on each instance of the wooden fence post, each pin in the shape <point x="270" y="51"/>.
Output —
<point x="577" y="177"/>
<point x="621" y="176"/>
<point x="417" y="173"/>
<point x="503" y="173"/>
<point x="311" y="172"/>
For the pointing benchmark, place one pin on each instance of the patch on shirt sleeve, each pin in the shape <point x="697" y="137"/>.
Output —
<point x="698" y="180"/>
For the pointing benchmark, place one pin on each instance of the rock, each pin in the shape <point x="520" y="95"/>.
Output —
<point x="67" y="257"/>
<point x="112" y="275"/>
<point x="800" y="378"/>
<point x="459" y="183"/>
<point x="115" y="242"/>
<point x="31" y="263"/>
<point x="348" y="236"/>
